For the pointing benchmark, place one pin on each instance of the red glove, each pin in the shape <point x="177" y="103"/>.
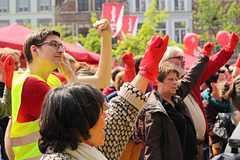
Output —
<point x="232" y="42"/>
<point x="156" y="47"/>
<point x="8" y="66"/>
<point x="129" y="72"/>
<point x="207" y="49"/>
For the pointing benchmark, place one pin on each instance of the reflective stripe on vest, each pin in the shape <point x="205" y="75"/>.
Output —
<point x="24" y="140"/>
<point x="24" y="136"/>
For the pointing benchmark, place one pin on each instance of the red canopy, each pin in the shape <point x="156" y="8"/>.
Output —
<point x="13" y="36"/>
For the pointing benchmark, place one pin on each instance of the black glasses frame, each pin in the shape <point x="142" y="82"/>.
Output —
<point x="54" y="46"/>
<point x="178" y="57"/>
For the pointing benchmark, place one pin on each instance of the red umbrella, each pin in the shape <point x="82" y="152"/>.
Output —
<point x="13" y="36"/>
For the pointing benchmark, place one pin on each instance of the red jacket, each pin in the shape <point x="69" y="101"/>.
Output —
<point x="214" y="64"/>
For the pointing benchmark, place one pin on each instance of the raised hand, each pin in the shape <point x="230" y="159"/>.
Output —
<point x="232" y="42"/>
<point x="130" y="72"/>
<point x="207" y="49"/>
<point x="66" y="70"/>
<point x="103" y="28"/>
<point x="8" y="66"/>
<point x="156" y="47"/>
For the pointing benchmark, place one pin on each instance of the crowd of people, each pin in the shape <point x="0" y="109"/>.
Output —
<point x="150" y="109"/>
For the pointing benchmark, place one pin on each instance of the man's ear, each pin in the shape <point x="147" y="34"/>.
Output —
<point x="33" y="49"/>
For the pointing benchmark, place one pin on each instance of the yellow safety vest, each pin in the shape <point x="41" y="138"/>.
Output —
<point x="24" y="136"/>
<point x="53" y="81"/>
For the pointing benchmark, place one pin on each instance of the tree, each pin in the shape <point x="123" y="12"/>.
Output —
<point x="93" y="41"/>
<point x="137" y="45"/>
<point x="212" y="16"/>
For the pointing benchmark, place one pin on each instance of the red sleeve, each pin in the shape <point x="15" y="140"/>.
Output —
<point x="214" y="64"/>
<point x="33" y="94"/>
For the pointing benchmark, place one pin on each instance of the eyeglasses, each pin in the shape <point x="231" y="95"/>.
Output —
<point x="178" y="57"/>
<point x="54" y="44"/>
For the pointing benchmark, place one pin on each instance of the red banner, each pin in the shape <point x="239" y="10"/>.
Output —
<point x="113" y="12"/>
<point x="130" y="25"/>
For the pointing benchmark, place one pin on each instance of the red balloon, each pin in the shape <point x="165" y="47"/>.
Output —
<point x="190" y="40"/>
<point x="223" y="38"/>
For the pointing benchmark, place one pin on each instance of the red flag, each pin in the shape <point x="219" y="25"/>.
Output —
<point x="130" y="25"/>
<point x="113" y="12"/>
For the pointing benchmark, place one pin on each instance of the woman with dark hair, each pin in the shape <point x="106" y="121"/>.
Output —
<point x="73" y="123"/>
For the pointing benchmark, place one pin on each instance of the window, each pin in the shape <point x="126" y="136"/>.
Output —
<point x="140" y="5"/>
<point x="162" y="28"/>
<point x="83" y="29"/>
<point x="44" y="22"/>
<point x="98" y="4"/>
<point x="160" y="5"/>
<point x="179" y="32"/>
<point x="4" y="23"/>
<point x="139" y="26"/>
<point x="44" y="5"/>
<point x="3" y="6"/>
<point x="23" y="5"/>
<point x="82" y="5"/>
<point x="23" y="21"/>
<point x="179" y="5"/>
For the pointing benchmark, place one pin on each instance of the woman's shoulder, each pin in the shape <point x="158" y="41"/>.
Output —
<point x="56" y="156"/>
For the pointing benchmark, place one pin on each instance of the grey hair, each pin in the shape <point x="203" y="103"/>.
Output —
<point x="170" y="51"/>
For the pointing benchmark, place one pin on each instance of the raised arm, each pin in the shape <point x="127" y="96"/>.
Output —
<point x="219" y="59"/>
<point x="6" y="101"/>
<point x="130" y="100"/>
<point x="103" y="75"/>
<point x="191" y="79"/>
<point x="129" y="71"/>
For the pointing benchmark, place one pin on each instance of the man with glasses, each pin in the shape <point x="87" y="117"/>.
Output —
<point x="44" y="50"/>
<point x="193" y="101"/>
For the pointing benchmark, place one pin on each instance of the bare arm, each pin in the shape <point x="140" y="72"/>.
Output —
<point x="103" y="75"/>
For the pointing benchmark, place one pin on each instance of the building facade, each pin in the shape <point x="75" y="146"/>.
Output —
<point x="179" y="21"/>
<point x="36" y="12"/>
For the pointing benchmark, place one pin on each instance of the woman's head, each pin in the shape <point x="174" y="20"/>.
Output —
<point x="232" y="92"/>
<point x="167" y="79"/>
<point x="69" y="113"/>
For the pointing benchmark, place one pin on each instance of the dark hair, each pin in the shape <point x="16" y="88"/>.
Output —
<point x="36" y="37"/>
<point x="232" y="92"/>
<point x="69" y="111"/>
<point x="115" y="71"/>
<point x="137" y="60"/>
<point x="164" y="69"/>
<point x="213" y="78"/>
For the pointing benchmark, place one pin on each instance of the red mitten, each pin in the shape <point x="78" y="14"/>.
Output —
<point x="232" y="42"/>
<point x="156" y="47"/>
<point x="129" y="72"/>
<point x="207" y="49"/>
<point x="8" y="66"/>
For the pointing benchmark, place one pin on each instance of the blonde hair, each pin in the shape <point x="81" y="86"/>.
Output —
<point x="70" y="58"/>
<point x="9" y="51"/>
<point x="232" y="92"/>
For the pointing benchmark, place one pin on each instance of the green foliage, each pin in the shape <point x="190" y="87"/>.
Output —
<point x="137" y="45"/>
<point x="213" y="16"/>
<point x="93" y="41"/>
<point x="65" y="33"/>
